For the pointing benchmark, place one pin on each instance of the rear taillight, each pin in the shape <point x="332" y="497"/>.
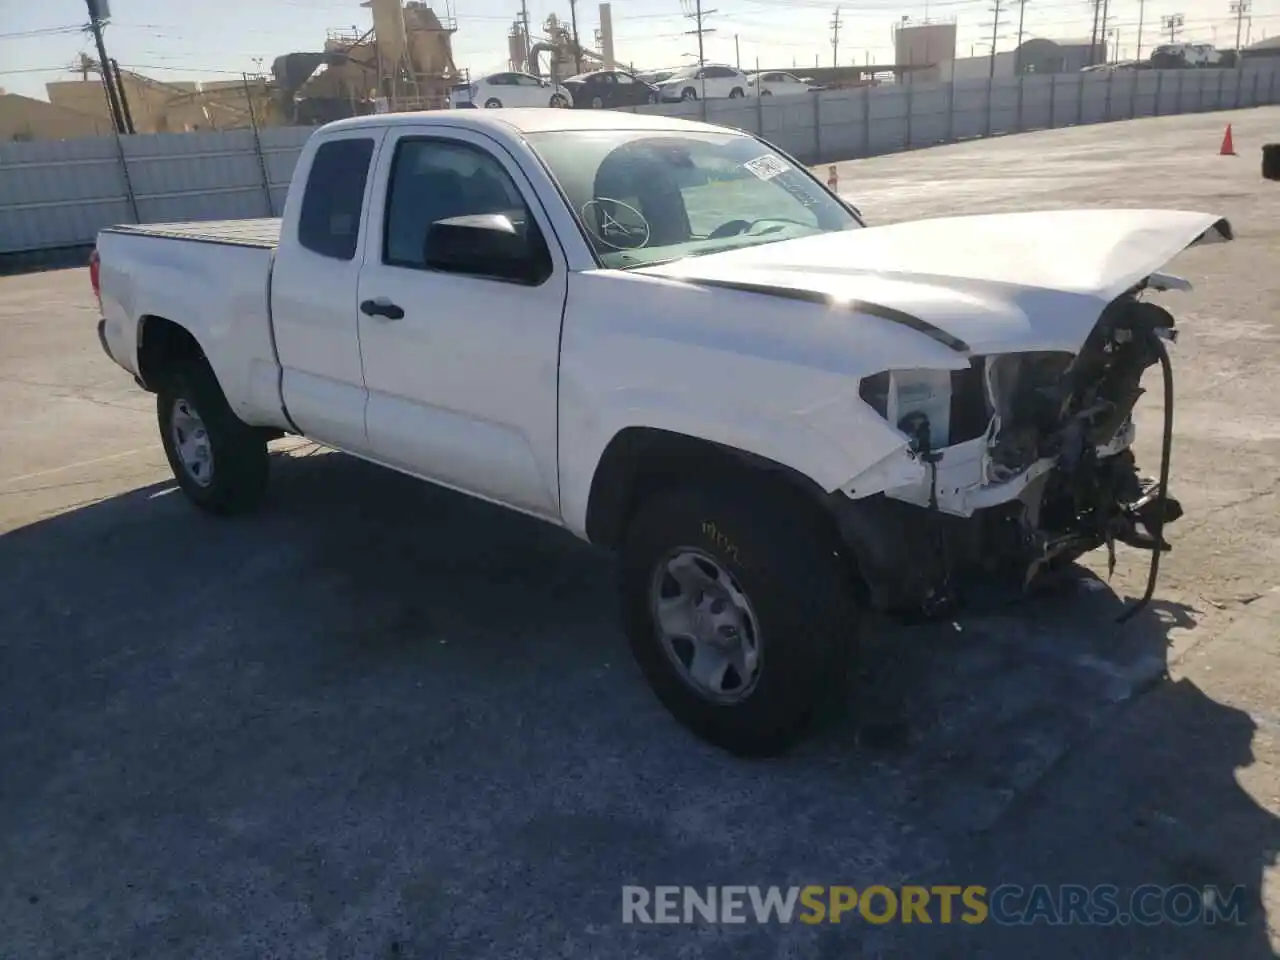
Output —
<point x="95" y="276"/>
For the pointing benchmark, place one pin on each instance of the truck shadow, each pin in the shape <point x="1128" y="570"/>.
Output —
<point x="374" y="684"/>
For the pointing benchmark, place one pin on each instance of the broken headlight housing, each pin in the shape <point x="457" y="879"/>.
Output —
<point x="904" y="396"/>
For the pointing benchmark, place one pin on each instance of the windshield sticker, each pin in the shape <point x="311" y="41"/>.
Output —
<point x="767" y="167"/>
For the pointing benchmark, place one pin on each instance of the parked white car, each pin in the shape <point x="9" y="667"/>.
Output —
<point x="774" y="83"/>
<point x="712" y="81"/>
<point x="672" y="340"/>
<point x="510" y="90"/>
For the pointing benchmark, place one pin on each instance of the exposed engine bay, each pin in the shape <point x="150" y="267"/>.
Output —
<point x="1047" y="437"/>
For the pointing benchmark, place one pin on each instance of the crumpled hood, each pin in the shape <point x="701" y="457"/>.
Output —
<point x="989" y="283"/>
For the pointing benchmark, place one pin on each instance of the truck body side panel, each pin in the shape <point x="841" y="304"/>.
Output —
<point x="216" y="291"/>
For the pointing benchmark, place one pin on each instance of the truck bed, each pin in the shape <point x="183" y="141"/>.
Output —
<point x="263" y="233"/>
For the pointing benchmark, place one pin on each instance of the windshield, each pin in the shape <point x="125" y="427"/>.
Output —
<point x="645" y="197"/>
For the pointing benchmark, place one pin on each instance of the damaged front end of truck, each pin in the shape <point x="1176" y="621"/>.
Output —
<point x="1035" y="467"/>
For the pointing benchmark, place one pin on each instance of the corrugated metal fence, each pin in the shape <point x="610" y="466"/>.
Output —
<point x="58" y="194"/>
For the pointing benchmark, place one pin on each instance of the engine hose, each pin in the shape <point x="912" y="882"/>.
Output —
<point x="1162" y="492"/>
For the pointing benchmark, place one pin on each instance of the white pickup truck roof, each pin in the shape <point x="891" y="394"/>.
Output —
<point x="530" y="120"/>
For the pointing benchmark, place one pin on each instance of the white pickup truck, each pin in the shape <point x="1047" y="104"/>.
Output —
<point x="674" y="341"/>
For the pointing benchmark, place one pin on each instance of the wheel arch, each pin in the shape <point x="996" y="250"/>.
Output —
<point x="162" y="345"/>
<point x="641" y="460"/>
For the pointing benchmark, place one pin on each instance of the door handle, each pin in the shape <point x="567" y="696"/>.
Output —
<point x="382" y="307"/>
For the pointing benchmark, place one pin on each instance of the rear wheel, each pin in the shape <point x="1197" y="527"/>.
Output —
<point x="689" y="94"/>
<point x="558" y="101"/>
<point x="597" y="103"/>
<point x="220" y="462"/>
<point x="740" y="614"/>
<point x="735" y="93"/>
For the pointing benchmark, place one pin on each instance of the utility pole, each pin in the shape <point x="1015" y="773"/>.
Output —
<point x="124" y="100"/>
<point x="835" y="39"/>
<point x="996" y="24"/>
<point x="1022" y="13"/>
<point x="524" y="21"/>
<point x="98" y="13"/>
<point x="1172" y="23"/>
<point x="697" y="16"/>
<point x="1103" y="33"/>
<point x="1240" y="8"/>
<point x="1093" y="37"/>
<point x="1142" y="9"/>
<point x="577" y="47"/>
<point x="737" y="53"/>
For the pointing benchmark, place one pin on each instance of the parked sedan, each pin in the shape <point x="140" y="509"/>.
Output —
<point x="708" y="82"/>
<point x="610" y="88"/>
<point x="510" y="90"/>
<point x="774" y="83"/>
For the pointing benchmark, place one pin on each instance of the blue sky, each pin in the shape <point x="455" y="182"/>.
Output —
<point x="219" y="38"/>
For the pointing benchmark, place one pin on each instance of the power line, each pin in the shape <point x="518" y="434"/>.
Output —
<point x="44" y="32"/>
<point x="1173" y="23"/>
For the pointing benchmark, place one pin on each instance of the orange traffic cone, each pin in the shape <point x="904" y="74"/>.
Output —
<point x="1228" y="148"/>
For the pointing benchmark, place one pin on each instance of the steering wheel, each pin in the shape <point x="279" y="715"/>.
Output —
<point x="735" y="227"/>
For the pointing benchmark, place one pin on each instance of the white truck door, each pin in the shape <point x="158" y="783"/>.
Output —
<point x="461" y="361"/>
<point x="313" y="291"/>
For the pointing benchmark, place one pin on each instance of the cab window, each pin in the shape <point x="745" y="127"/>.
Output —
<point x="333" y="201"/>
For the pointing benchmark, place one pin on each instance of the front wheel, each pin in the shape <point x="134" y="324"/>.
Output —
<point x="688" y="93"/>
<point x="492" y="103"/>
<point x="739" y="612"/>
<point x="735" y="93"/>
<point x="597" y="103"/>
<point x="220" y="462"/>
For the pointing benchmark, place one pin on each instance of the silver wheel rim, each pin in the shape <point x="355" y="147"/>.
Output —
<point x="706" y="626"/>
<point x="191" y="441"/>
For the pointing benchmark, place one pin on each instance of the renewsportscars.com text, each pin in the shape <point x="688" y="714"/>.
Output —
<point x="1007" y="904"/>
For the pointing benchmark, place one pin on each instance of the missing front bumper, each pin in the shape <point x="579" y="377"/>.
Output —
<point x="913" y="560"/>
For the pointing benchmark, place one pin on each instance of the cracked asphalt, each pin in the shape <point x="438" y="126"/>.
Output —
<point x="382" y="720"/>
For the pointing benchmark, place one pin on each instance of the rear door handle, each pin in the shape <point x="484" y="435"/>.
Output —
<point x="382" y="307"/>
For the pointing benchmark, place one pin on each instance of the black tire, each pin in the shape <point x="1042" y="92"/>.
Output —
<point x="688" y="93"/>
<point x="492" y="103"/>
<point x="597" y="103"/>
<point x="240" y="462"/>
<point x="784" y="560"/>
<point x="736" y="93"/>
<point x="559" y="102"/>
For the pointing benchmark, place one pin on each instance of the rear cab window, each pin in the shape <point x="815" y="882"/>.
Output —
<point x="333" y="201"/>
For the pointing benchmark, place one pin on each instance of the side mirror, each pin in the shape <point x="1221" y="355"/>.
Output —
<point x="485" y="245"/>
